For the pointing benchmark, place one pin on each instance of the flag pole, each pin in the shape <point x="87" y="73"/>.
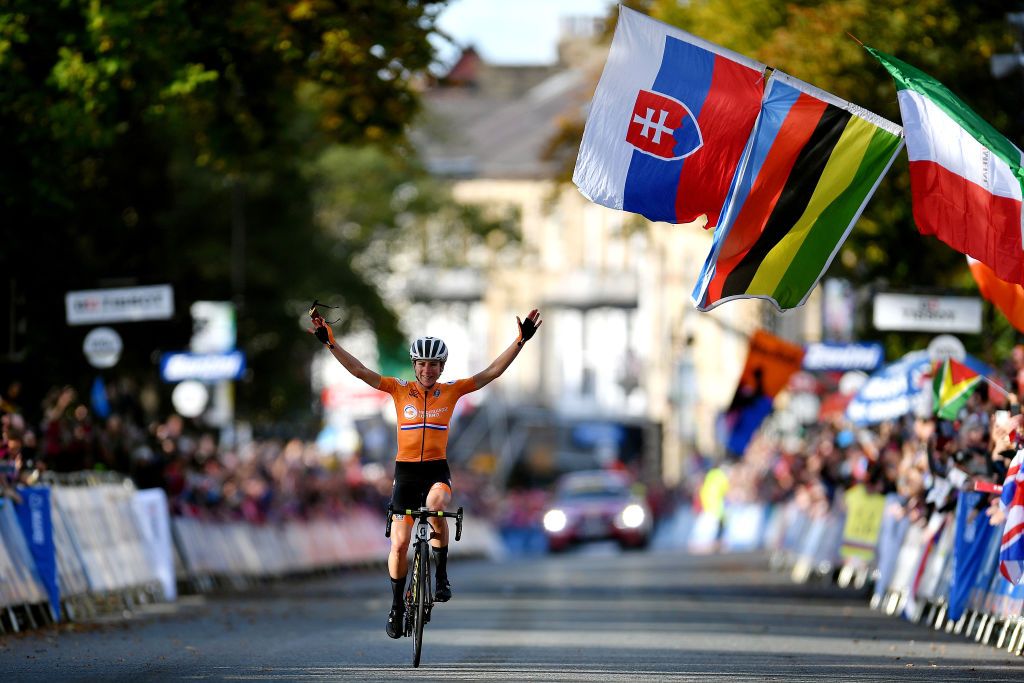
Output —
<point x="992" y="384"/>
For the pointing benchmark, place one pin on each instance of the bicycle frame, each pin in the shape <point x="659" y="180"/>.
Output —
<point x="419" y="599"/>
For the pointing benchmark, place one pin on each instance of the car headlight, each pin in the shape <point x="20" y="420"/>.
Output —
<point x="555" y="521"/>
<point x="633" y="516"/>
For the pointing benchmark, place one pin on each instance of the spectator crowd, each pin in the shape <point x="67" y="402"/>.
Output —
<point x="923" y="459"/>
<point x="259" y="480"/>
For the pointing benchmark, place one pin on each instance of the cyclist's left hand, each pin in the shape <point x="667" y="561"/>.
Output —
<point x="321" y="329"/>
<point x="528" y="327"/>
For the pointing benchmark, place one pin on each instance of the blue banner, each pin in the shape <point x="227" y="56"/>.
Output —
<point x="202" y="367"/>
<point x="901" y="388"/>
<point x="833" y="357"/>
<point x="969" y="549"/>
<point x="34" y="516"/>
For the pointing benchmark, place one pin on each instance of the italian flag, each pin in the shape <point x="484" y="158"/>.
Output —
<point x="953" y="384"/>
<point x="965" y="176"/>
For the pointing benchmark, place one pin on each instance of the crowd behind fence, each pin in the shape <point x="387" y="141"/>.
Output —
<point x="104" y="504"/>
<point x="921" y="532"/>
<point x="75" y="546"/>
<point x="900" y="507"/>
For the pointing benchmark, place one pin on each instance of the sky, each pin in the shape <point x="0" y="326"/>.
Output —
<point x="512" y="31"/>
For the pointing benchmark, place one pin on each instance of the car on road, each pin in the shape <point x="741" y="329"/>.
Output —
<point x="596" y="505"/>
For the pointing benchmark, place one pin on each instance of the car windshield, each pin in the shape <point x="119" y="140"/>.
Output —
<point x="592" y="487"/>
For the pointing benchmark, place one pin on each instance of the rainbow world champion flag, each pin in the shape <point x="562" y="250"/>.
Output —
<point x="953" y="384"/>
<point x="808" y="171"/>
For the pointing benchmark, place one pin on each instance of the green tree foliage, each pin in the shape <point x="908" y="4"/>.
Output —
<point x="818" y="43"/>
<point x="209" y="145"/>
<point x="815" y="41"/>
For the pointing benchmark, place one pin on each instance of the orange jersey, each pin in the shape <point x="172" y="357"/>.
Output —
<point x="423" y="420"/>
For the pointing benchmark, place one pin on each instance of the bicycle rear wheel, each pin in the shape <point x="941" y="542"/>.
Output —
<point x="420" y="601"/>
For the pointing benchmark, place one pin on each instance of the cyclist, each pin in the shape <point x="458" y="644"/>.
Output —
<point x="424" y="408"/>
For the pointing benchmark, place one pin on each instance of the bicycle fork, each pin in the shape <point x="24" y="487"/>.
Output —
<point x="421" y="554"/>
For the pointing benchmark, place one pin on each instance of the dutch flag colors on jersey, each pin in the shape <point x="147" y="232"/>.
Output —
<point x="1011" y="552"/>
<point x="668" y="123"/>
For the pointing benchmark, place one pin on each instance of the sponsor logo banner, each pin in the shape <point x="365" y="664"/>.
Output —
<point x="826" y="357"/>
<point x="123" y="304"/>
<point x="204" y="367"/>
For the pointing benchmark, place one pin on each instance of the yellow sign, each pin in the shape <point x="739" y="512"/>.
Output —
<point x="863" y="522"/>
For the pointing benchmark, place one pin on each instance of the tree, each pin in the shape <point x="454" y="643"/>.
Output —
<point x="151" y="141"/>
<point x="815" y="42"/>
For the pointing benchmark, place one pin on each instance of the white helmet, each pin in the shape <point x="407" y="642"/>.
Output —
<point x="428" y="348"/>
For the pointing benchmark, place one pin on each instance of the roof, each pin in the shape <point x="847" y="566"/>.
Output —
<point x="498" y="125"/>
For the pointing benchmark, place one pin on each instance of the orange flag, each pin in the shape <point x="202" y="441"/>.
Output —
<point x="1006" y="296"/>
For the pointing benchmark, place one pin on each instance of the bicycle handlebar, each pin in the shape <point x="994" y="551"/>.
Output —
<point x="424" y="513"/>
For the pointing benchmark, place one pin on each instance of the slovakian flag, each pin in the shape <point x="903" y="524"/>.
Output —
<point x="1011" y="552"/>
<point x="1008" y="297"/>
<point x="668" y="123"/>
<point x="965" y="177"/>
<point x="953" y="384"/>
<point x="812" y="165"/>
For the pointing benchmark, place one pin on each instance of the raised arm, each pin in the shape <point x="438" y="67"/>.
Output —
<point x="325" y="334"/>
<point x="527" y="328"/>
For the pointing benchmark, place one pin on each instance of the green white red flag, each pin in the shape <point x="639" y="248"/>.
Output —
<point x="965" y="177"/>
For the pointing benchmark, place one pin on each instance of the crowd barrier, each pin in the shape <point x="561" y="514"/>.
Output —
<point x="941" y="571"/>
<point x="85" y="544"/>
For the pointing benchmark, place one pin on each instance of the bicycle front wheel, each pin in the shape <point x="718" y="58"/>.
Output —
<point x="420" y="606"/>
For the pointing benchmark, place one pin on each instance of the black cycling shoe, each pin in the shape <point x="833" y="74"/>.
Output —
<point x="396" y="623"/>
<point x="443" y="592"/>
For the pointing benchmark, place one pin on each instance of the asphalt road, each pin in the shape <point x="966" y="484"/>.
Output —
<point x="593" y="616"/>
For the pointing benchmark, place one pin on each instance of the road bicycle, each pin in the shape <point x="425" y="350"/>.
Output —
<point x="419" y="598"/>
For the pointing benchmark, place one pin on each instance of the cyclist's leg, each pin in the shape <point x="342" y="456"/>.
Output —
<point x="405" y="494"/>
<point x="398" y="558"/>
<point x="401" y="530"/>
<point x="438" y="498"/>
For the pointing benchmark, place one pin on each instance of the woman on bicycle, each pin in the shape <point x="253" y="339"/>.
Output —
<point x="424" y="408"/>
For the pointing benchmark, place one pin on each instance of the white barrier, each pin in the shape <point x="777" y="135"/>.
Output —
<point x="245" y="551"/>
<point x="105" y="536"/>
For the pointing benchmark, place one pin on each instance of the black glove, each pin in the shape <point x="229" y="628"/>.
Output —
<point x="321" y="334"/>
<point x="527" y="329"/>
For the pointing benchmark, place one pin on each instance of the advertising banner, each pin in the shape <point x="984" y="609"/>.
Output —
<point x="864" y="513"/>
<point x="123" y="304"/>
<point x="832" y="357"/>
<point x="202" y="367"/>
<point x="154" y="521"/>
<point x="19" y="582"/>
<point x="36" y="520"/>
<point x="916" y="313"/>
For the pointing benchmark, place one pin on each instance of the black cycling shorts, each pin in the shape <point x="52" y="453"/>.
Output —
<point x="413" y="481"/>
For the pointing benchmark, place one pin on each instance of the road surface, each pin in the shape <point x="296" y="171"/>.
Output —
<point x="591" y="616"/>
